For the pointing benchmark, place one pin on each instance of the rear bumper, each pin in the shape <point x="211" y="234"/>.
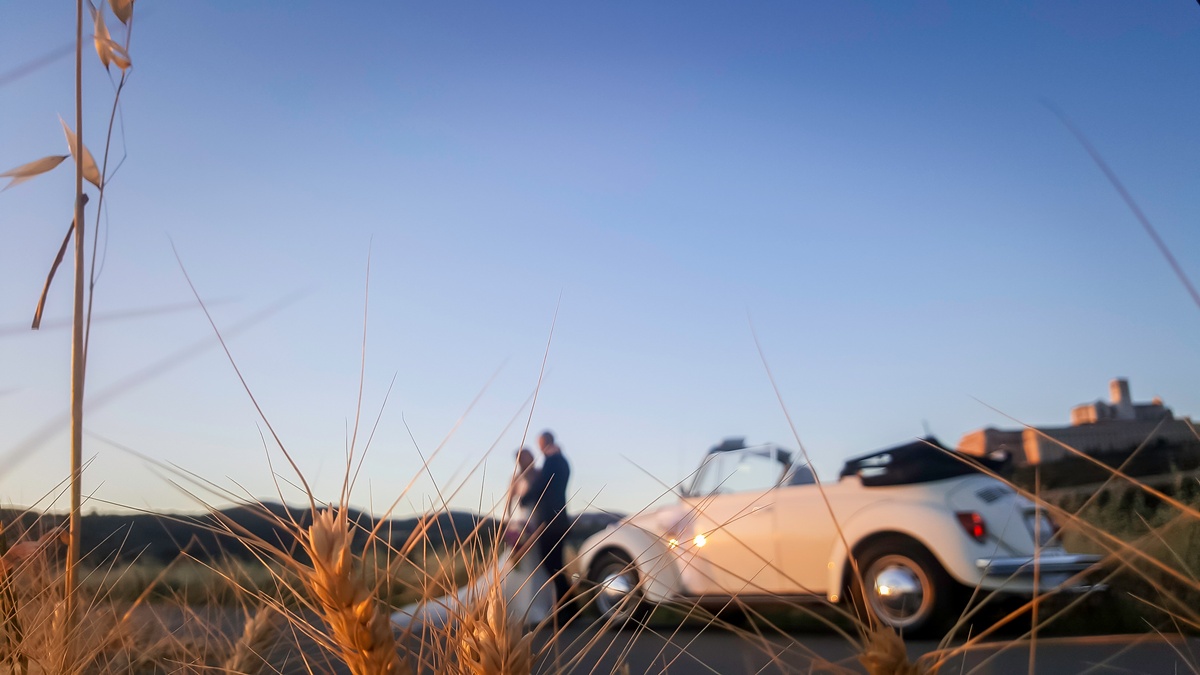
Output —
<point x="1049" y="565"/>
<point x="1059" y="573"/>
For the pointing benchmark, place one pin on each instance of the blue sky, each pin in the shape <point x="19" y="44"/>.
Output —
<point x="878" y="185"/>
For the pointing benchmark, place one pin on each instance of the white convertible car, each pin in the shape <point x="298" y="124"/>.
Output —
<point x="924" y="524"/>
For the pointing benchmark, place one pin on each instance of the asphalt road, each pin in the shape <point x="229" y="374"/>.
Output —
<point x="694" y="650"/>
<point x="664" y="648"/>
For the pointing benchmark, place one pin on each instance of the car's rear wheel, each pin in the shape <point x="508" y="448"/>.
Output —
<point x="616" y="589"/>
<point x="905" y="587"/>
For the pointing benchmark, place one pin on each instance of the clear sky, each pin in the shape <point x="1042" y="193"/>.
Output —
<point x="878" y="185"/>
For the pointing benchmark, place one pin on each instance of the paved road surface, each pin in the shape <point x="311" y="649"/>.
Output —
<point x="717" y="651"/>
<point x="662" y="649"/>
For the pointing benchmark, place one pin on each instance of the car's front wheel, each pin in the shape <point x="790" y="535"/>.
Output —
<point x="616" y="589"/>
<point x="905" y="587"/>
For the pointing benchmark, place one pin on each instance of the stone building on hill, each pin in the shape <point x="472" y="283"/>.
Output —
<point x="1101" y="428"/>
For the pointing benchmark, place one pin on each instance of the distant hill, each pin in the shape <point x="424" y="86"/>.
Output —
<point x="208" y="537"/>
<point x="161" y="537"/>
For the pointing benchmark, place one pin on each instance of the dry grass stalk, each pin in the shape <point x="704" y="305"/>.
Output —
<point x="11" y="632"/>
<point x="490" y="642"/>
<point x="109" y="52"/>
<point x="361" y="628"/>
<point x="90" y="171"/>
<point x="98" y="639"/>
<point x="142" y="648"/>
<point x="884" y="654"/>
<point x="258" y="636"/>
<point x="27" y="171"/>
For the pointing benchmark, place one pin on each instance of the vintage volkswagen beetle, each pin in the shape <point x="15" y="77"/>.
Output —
<point x="925" y="524"/>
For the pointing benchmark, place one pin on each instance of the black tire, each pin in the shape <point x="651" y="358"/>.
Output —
<point x="928" y="599"/>
<point x="616" y="590"/>
<point x="734" y="615"/>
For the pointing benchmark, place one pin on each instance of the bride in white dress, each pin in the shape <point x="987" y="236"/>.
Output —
<point x="515" y="574"/>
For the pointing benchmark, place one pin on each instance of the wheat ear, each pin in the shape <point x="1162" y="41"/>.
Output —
<point x="491" y="642"/>
<point x="360" y="628"/>
<point x="884" y="654"/>
<point x="259" y="634"/>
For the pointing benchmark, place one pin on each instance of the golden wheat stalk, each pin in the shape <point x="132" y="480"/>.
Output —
<point x="884" y="654"/>
<point x="360" y="628"/>
<point x="490" y="641"/>
<point x="259" y="634"/>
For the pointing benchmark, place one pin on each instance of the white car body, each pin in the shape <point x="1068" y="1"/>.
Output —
<point x="753" y="526"/>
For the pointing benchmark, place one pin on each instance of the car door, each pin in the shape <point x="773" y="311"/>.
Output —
<point x="806" y="535"/>
<point x="808" y="532"/>
<point x="731" y="549"/>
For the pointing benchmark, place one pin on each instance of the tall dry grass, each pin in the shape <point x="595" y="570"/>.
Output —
<point x="334" y="594"/>
<point x="104" y="637"/>
<point x="338" y="588"/>
<point x="110" y="53"/>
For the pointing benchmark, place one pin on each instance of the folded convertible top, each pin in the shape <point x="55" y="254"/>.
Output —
<point x="920" y="461"/>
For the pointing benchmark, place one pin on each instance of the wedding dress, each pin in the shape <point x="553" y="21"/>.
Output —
<point x="521" y="583"/>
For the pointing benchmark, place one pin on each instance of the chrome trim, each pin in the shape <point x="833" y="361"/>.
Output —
<point x="1024" y="565"/>
<point x="899" y="591"/>
<point x="1084" y="589"/>
<point x="614" y="591"/>
<point x="756" y="599"/>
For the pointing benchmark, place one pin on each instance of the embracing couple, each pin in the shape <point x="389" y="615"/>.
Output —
<point x="529" y="571"/>
<point x="538" y="521"/>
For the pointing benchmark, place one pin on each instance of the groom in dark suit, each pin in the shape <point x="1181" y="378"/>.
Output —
<point x="548" y="497"/>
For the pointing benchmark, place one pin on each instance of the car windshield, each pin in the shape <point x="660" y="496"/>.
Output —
<point x="801" y="474"/>
<point x="747" y="470"/>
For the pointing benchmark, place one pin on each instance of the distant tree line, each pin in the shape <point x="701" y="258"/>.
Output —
<point x="226" y="533"/>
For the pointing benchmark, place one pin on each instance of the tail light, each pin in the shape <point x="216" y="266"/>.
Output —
<point x="973" y="524"/>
